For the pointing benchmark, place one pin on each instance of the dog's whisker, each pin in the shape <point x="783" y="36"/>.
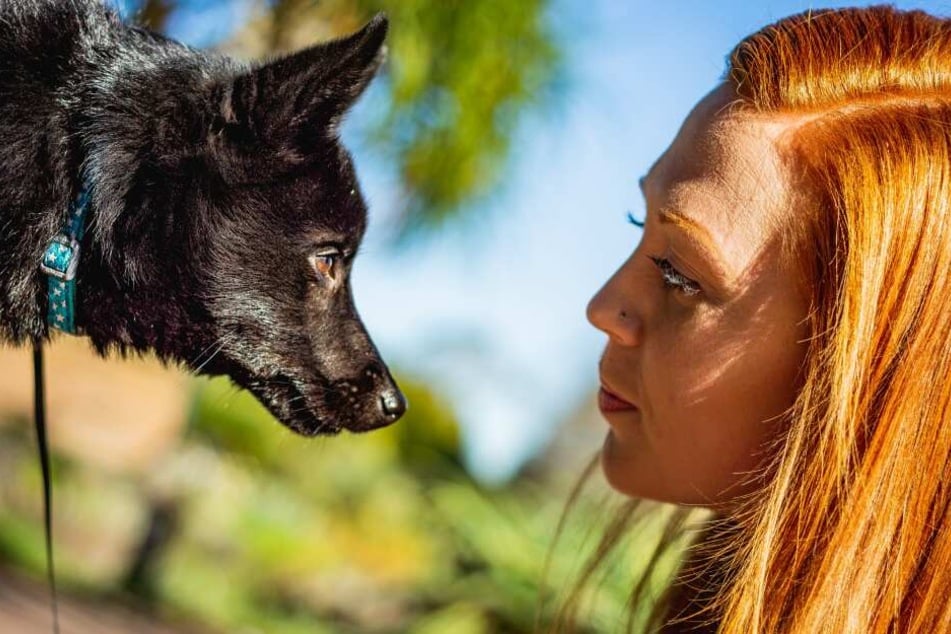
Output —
<point x="217" y="341"/>
<point x="212" y="355"/>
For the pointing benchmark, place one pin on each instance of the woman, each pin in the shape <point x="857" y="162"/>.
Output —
<point x="779" y="344"/>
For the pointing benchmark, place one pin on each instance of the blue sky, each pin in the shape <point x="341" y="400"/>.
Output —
<point x="496" y="316"/>
<point x="492" y="311"/>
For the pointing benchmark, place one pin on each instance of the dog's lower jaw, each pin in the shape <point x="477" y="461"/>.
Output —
<point x="289" y="406"/>
<point x="311" y="427"/>
<point x="308" y="415"/>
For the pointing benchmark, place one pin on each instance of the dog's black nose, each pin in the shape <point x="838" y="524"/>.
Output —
<point x="393" y="404"/>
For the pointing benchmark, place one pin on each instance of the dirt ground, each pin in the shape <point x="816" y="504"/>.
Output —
<point x="122" y="416"/>
<point x="25" y="609"/>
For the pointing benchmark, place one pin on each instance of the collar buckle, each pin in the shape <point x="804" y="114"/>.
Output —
<point x="61" y="258"/>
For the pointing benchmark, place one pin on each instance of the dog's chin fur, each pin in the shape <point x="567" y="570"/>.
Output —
<point x="313" y="406"/>
<point x="289" y="406"/>
<point x="322" y="409"/>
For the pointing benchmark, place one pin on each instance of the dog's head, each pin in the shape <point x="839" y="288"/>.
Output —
<point x="277" y="286"/>
<point x="289" y="223"/>
<point x="271" y="217"/>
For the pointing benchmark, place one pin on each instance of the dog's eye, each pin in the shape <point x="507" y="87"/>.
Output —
<point x="324" y="263"/>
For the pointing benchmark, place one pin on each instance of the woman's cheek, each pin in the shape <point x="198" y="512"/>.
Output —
<point x="685" y="352"/>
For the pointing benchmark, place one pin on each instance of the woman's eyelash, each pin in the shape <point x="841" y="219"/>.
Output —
<point x="675" y="279"/>
<point x="634" y="221"/>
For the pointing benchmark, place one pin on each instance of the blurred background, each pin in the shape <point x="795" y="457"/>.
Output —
<point x="499" y="152"/>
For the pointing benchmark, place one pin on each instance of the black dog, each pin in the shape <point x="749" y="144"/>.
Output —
<point x="224" y="214"/>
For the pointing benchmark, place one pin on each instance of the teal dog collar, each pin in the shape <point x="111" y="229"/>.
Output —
<point x="60" y="261"/>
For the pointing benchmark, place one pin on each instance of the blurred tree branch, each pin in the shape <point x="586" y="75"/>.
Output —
<point x="154" y="13"/>
<point x="461" y="75"/>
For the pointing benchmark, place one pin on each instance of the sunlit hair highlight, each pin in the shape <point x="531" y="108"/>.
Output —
<point x="853" y="533"/>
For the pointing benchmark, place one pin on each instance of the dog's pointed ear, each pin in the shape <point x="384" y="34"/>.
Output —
<point x="283" y="107"/>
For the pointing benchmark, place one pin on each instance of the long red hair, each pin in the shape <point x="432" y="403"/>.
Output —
<point x="853" y="533"/>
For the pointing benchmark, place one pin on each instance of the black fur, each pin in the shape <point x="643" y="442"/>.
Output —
<point x="220" y="191"/>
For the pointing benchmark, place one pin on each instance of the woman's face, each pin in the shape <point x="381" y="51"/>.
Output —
<point x="706" y="319"/>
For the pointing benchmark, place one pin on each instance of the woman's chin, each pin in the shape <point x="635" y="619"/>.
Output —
<point x="619" y="468"/>
<point x="628" y="470"/>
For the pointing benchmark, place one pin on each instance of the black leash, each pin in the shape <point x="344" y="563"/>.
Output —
<point x="39" y="418"/>
<point x="59" y="264"/>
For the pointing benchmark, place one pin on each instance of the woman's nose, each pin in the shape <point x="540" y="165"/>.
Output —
<point x="611" y="311"/>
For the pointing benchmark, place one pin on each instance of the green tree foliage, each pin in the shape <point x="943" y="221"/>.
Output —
<point x="461" y="75"/>
<point x="426" y="442"/>
<point x="350" y="535"/>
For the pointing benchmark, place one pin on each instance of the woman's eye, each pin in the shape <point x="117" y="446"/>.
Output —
<point x="324" y="263"/>
<point x="674" y="279"/>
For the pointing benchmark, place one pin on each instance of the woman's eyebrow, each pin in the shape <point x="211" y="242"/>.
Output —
<point x="700" y="238"/>
<point x="699" y="235"/>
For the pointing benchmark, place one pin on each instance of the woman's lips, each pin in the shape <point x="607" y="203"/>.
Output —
<point x="610" y="402"/>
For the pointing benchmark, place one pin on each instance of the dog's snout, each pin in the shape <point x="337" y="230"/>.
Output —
<point x="393" y="404"/>
<point x="369" y="400"/>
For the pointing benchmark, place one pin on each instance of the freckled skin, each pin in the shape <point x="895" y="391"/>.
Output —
<point x="711" y="374"/>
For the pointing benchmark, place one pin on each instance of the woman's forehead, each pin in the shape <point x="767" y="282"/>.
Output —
<point x="723" y="171"/>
